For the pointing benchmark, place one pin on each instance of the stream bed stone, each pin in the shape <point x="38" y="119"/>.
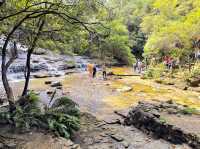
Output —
<point x="144" y="118"/>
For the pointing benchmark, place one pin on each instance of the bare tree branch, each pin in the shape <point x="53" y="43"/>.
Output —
<point x="26" y="10"/>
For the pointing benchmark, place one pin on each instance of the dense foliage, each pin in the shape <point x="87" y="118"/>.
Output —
<point x="172" y="26"/>
<point x="101" y="35"/>
<point x="156" y="27"/>
<point x="62" y="118"/>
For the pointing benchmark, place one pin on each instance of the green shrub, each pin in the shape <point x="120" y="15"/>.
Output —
<point x="62" y="117"/>
<point x="155" y="72"/>
<point x="32" y="97"/>
<point x="195" y="71"/>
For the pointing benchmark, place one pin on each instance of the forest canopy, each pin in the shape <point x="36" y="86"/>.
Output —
<point x="125" y="28"/>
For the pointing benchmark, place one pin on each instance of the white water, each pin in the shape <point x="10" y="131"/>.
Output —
<point x="48" y="63"/>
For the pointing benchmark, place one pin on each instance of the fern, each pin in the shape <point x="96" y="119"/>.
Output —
<point x="62" y="118"/>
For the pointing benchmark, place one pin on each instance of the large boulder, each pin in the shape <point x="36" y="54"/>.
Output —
<point x="148" y="118"/>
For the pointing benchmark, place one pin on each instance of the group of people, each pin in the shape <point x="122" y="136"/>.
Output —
<point x="168" y="61"/>
<point x="138" y="66"/>
<point x="92" y="69"/>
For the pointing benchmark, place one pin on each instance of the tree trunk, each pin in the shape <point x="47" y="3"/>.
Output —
<point x="27" y="76"/>
<point x="28" y="59"/>
<point x="7" y="88"/>
<point x="4" y="66"/>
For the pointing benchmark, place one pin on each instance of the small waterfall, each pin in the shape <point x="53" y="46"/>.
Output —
<point x="50" y="63"/>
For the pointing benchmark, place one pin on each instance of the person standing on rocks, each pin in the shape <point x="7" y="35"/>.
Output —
<point x="140" y="66"/>
<point x="104" y="72"/>
<point x="90" y="69"/>
<point x="94" y="71"/>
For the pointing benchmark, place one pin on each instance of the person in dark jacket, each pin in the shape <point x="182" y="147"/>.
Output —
<point x="94" y="71"/>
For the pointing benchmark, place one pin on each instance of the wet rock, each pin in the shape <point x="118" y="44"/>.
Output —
<point x="182" y="86"/>
<point x="56" y="84"/>
<point x="172" y="111"/>
<point x="143" y="117"/>
<point x="117" y="137"/>
<point x="1" y="146"/>
<point x="185" y="88"/>
<point x="194" y="82"/>
<point x="125" y="144"/>
<point x="76" y="146"/>
<point x="47" y="82"/>
<point x="108" y="84"/>
<point x="125" y="89"/>
<point x="39" y="67"/>
<point x="119" y="146"/>
<point x="195" y="89"/>
<point x="57" y="75"/>
<point x="41" y="75"/>
<point x="59" y="87"/>
<point x="35" y="61"/>
<point x="2" y="100"/>
<point x="170" y="102"/>
<point x="170" y="83"/>
<point x="101" y="124"/>
<point x="88" y="141"/>
<point x="155" y="113"/>
<point x="16" y="68"/>
<point x="110" y="73"/>
<point x="66" y="66"/>
<point x="113" y="121"/>
<point x="49" y="92"/>
<point x="11" y="145"/>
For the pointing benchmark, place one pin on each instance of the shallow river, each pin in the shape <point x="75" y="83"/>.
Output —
<point x="103" y="97"/>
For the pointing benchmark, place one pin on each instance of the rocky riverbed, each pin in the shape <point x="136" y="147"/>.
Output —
<point x="100" y="126"/>
<point x="44" y="63"/>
